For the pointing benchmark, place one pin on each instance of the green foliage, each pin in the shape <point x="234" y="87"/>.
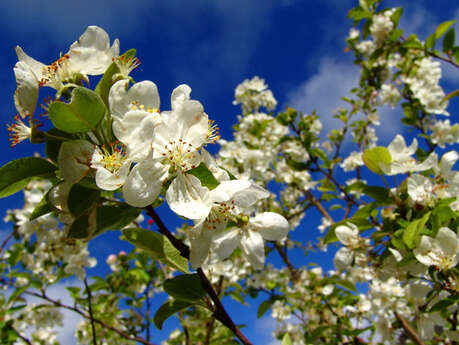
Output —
<point x="204" y="175"/>
<point x="158" y="246"/>
<point x="107" y="80"/>
<point x="168" y="309"/>
<point x="412" y="233"/>
<point x="82" y="114"/>
<point x="15" y="175"/>
<point x="185" y="287"/>
<point x="374" y="157"/>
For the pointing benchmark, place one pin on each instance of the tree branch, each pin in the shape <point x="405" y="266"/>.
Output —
<point x="410" y="330"/>
<point x="91" y="315"/>
<point x="57" y="303"/>
<point x="219" y="311"/>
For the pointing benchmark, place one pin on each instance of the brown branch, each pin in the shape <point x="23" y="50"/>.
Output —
<point x="293" y="272"/>
<point x="219" y="310"/>
<point x="211" y="323"/>
<point x="410" y="330"/>
<point x="91" y="315"/>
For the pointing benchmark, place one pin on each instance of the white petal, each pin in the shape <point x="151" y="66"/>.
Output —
<point x="135" y="130"/>
<point x="121" y="99"/>
<point x="144" y="183"/>
<point x="200" y="239"/>
<point x="225" y="243"/>
<point x="74" y="159"/>
<point x="107" y="180"/>
<point x="186" y="197"/>
<point x="272" y="226"/>
<point x="253" y="248"/>
<point x="343" y="258"/>
<point x="423" y="252"/>
<point x="35" y="66"/>
<point x="227" y="189"/>
<point x="26" y="94"/>
<point x="347" y="235"/>
<point x="447" y="240"/>
<point x="180" y="94"/>
<point x="92" y="53"/>
<point x="249" y="196"/>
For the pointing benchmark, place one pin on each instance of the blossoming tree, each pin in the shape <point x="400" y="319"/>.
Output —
<point x="113" y="155"/>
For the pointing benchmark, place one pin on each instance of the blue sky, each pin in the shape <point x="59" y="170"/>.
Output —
<point x="212" y="45"/>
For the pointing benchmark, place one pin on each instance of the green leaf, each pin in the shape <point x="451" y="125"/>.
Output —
<point x="204" y="175"/>
<point x="448" y="41"/>
<point x="82" y="114"/>
<point x="380" y="194"/>
<point x="443" y="27"/>
<point x="81" y="199"/>
<point x="185" y="287"/>
<point x="15" y="175"/>
<point x="42" y="208"/>
<point x="264" y="307"/>
<point x="396" y="15"/>
<point x="346" y="284"/>
<point x="413" y="231"/>
<point x="106" y="82"/>
<point x="376" y="156"/>
<point x="80" y="228"/>
<point x="445" y="303"/>
<point x="430" y="42"/>
<point x="158" y="246"/>
<point x="286" y="340"/>
<point x="396" y="34"/>
<point x="168" y="309"/>
<point x="115" y="217"/>
<point x="297" y="166"/>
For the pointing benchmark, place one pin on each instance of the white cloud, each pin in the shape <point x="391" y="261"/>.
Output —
<point x="323" y="91"/>
<point x="264" y="329"/>
<point x="70" y="319"/>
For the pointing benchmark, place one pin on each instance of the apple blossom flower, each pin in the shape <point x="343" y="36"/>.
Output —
<point x="90" y="55"/>
<point x="441" y="251"/>
<point x="249" y="238"/>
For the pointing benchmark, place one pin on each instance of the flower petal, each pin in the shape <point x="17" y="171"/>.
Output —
<point x="144" y="183"/>
<point x="253" y="248"/>
<point x="26" y="94"/>
<point x="272" y="226"/>
<point x="74" y="159"/>
<point x="225" y="243"/>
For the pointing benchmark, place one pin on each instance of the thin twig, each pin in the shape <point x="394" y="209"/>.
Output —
<point x="57" y="303"/>
<point x="410" y="330"/>
<point x="91" y="315"/>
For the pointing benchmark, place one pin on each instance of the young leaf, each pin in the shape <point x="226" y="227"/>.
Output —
<point x="81" y="199"/>
<point x="82" y="114"/>
<point x="448" y="41"/>
<point x="374" y="157"/>
<point x="42" y="208"/>
<point x="430" y="42"/>
<point x="185" y="287"/>
<point x="443" y="27"/>
<point x="158" y="246"/>
<point x="106" y="82"/>
<point x="15" y="175"/>
<point x="413" y="231"/>
<point x="286" y="340"/>
<point x="264" y="307"/>
<point x="168" y="309"/>
<point x="204" y="175"/>
<point x="115" y="217"/>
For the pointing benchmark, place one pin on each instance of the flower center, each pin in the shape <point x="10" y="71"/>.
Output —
<point x="180" y="155"/>
<point x="19" y="131"/>
<point x="56" y="74"/>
